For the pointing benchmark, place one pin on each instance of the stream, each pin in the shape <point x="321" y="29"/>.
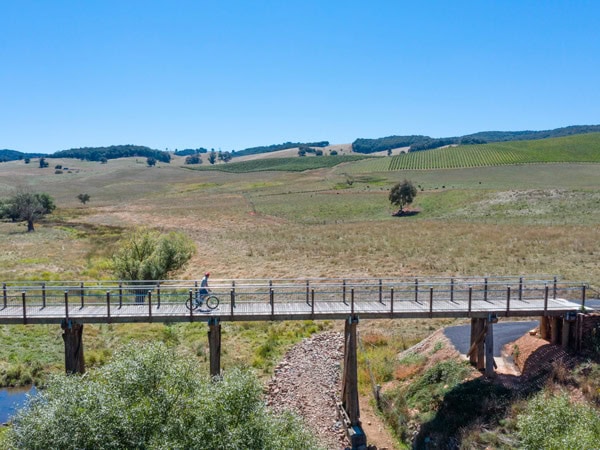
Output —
<point x="11" y="399"/>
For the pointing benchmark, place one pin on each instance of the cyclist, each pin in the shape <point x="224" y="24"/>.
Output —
<point x="203" y="292"/>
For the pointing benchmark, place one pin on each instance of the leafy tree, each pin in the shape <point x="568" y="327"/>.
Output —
<point x="28" y="207"/>
<point x="193" y="159"/>
<point x="149" y="255"/>
<point x="112" y="152"/>
<point x="149" y="397"/>
<point x="151" y="161"/>
<point x="84" y="198"/>
<point x="402" y="194"/>
<point x="212" y="157"/>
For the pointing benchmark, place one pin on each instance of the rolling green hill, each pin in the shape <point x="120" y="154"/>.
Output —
<point x="584" y="148"/>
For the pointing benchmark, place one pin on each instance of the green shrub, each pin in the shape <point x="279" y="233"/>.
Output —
<point x="554" y="422"/>
<point x="149" y="397"/>
<point x="428" y="391"/>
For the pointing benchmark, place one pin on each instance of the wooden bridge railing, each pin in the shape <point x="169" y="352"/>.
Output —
<point x="302" y="298"/>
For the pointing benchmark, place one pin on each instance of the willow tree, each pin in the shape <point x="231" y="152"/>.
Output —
<point x="149" y="255"/>
<point x="150" y="397"/>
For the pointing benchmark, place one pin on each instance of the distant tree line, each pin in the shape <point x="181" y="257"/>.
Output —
<point x="360" y="145"/>
<point x="504" y="136"/>
<point x="277" y="147"/>
<point x="303" y="150"/>
<point x="386" y="143"/>
<point x="14" y="155"/>
<point x="190" y="151"/>
<point x="419" y="142"/>
<point x="112" y="152"/>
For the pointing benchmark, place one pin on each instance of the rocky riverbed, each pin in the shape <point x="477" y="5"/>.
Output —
<point x="308" y="381"/>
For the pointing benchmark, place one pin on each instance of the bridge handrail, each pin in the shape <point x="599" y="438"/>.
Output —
<point x="261" y="281"/>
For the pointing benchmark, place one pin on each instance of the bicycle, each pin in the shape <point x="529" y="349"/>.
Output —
<point x="211" y="301"/>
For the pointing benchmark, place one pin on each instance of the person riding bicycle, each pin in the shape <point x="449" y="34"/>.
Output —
<point x="203" y="292"/>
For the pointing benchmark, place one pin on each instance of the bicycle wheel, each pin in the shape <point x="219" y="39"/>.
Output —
<point x="193" y="305"/>
<point x="212" y="302"/>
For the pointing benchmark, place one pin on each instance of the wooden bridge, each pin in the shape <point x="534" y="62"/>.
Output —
<point x="256" y="300"/>
<point x="483" y="299"/>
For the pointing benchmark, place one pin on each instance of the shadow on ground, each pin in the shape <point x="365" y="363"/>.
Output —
<point x="483" y="402"/>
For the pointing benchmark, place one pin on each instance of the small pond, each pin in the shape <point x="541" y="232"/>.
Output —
<point x="11" y="399"/>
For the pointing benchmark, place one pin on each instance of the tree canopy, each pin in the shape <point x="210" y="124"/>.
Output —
<point x="27" y="207"/>
<point x="149" y="397"/>
<point x="277" y="147"/>
<point x="149" y="255"/>
<point x="402" y="194"/>
<point x="112" y="152"/>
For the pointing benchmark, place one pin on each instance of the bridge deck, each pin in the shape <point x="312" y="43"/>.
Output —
<point x="370" y="299"/>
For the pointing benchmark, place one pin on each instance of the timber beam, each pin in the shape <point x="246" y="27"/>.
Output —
<point x="214" y="346"/>
<point x="73" y="339"/>
<point x="348" y="408"/>
<point x="481" y="351"/>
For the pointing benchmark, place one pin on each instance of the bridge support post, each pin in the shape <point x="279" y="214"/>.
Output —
<point x="481" y="344"/>
<point x="476" y="351"/>
<point x="489" y="347"/>
<point x="544" y="327"/>
<point x="214" y="345"/>
<point x="349" y="406"/>
<point x="555" y="330"/>
<point x="73" y="339"/>
<point x="566" y="331"/>
<point x="474" y="333"/>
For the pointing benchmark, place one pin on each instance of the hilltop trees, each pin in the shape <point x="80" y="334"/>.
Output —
<point x="112" y="152"/>
<point x="212" y="156"/>
<point x="402" y="194"/>
<point x="27" y="206"/>
<point x="193" y="159"/>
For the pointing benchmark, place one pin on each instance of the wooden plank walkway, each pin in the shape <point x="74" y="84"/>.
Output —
<point x="39" y="303"/>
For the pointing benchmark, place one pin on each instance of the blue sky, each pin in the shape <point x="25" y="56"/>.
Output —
<point x="236" y="74"/>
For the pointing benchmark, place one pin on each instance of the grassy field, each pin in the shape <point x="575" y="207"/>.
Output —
<point x="326" y="222"/>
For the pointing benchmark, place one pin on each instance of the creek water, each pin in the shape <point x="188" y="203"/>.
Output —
<point x="12" y="399"/>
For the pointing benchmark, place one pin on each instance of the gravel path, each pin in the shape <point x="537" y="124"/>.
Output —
<point x="308" y="381"/>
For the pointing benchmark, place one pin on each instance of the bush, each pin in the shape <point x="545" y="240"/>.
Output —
<point x="149" y="397"/>
<point x="551" y="421"/>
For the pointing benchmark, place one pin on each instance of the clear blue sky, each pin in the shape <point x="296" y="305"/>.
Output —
<point x="235" y="74"/>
